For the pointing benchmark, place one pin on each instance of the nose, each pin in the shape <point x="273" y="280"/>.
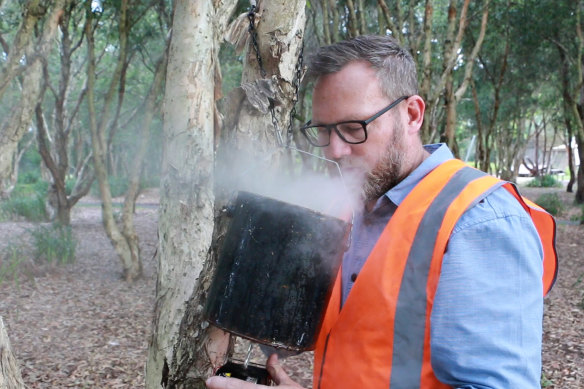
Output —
<point x="337" y="147"/>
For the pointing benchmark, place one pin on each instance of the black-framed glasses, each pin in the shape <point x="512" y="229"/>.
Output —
<point x="350" y="131"/>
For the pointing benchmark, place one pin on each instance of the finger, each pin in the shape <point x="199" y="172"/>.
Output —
<point x="277" y="372"/>
<point x="216" y="382"/>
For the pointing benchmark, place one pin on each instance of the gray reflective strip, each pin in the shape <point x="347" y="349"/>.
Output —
<point x="410" y="315"/>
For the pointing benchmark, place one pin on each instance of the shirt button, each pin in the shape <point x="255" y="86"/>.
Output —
<point x="354" y="277"/>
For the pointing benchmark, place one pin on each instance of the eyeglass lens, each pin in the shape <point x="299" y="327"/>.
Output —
<point x="350" y="132"/>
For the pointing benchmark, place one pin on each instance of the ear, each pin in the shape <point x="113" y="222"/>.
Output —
<point x="415" y="113"/>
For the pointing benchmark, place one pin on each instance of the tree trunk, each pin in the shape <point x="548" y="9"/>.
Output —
<point x="335" y="18"/>
<point x="10" y="377"/>
<point x="54" y="149"/>
<point x="16" y="125"/>
<point x="580" y="180"/>
<point x="33" y="11"/>
<point x="448" y="136"/>
<point x="184" y="349"/>
<point x="426" y="71"/>
<point x="186" y="203"/>
<point x="578" y="105"/>
<point x="127" y="250"/>
<point x="452" y="97"/>
<point x="128" y="230"/>
<point x="570" y="152"/>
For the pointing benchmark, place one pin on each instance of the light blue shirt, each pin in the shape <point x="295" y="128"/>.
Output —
<point x="486" y="321"/>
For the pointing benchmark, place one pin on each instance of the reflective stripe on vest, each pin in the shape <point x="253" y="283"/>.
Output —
<point x="381" y="338"/>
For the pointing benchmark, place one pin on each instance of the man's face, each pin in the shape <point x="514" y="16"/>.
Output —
<point x="354" y="94"/>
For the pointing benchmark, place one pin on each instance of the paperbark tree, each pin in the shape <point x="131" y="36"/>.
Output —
<point x="186" y="195"/>
<point x="124" y="239"/>
<point x="10" y="377"/>
<point x="184" y="349"/>
<point x="26" y="45"/>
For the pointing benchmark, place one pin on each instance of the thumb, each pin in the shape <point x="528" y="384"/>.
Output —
<point x="277" y="372"/>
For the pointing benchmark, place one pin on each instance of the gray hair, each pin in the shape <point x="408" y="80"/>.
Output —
<point x="396" y="69"/>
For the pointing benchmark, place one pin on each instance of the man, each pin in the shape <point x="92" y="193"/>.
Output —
<point x="443" y="283"/>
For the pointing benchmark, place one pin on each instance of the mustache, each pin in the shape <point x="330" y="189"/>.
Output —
<point x="352" y="163"/>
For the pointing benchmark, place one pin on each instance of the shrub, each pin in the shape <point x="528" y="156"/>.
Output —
<point x="545" y="181"/>
<point x="41" y="188"/>
<point x="551" y="202"/>
<point x="11" y="259"/>
<point x="27" y="201"/>
<point x="54" y="244"/>
<point x="32" y="208"/>
<point x="29" y="177"/>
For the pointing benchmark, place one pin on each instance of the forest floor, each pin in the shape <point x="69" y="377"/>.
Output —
<point x="81" y="326"/>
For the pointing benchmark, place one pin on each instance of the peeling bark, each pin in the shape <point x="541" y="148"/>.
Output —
<point x="14" y="127"/>
<point x="184" y="349"/>
<point x="10" y="377"/>
<point x="181" y="344"/>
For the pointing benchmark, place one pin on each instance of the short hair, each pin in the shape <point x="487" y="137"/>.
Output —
<point x="396" y="69"/>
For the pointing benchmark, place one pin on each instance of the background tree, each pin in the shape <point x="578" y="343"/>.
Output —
<point x="183" y="350"/>
<point x="53" y="136"/>
<point x="568" y="39"/>
<point x="104" y="124"/>
<point x="23" y="68"/>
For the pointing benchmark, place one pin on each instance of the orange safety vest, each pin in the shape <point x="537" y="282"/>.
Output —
<point x="390" y="303"/>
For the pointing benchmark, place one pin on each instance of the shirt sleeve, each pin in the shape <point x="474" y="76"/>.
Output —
<point x="486" y="321"/>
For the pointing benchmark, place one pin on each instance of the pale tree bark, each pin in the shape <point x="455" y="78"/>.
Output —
<point x="187" y="199"/>
<point x="127" y="229"/>
<point x="33" y="11"/>
<point x="126" y="248"/>
<point x="184" y="349"/>
<point x="579" y="198"/>
<point x="15" y="126"/>
<point x="10" y="377"/>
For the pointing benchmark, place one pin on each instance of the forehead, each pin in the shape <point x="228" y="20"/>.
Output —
<point x="352" y="93"/>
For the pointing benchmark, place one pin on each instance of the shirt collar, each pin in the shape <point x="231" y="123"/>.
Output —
<point x="439" y="153"/>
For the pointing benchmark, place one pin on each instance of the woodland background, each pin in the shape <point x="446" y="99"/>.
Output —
<point x="101" y="101"/>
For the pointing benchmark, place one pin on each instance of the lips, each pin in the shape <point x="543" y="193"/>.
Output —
<point x="353" y="170"/>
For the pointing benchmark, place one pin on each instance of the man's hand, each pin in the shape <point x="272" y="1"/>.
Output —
<point x="276" y="371"/>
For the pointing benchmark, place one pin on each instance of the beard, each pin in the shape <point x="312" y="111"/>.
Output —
<point x="364" y="184"/>
<point x="387" y="173"/>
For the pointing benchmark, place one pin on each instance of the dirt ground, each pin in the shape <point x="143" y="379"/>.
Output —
<point x="81" y="326"/>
